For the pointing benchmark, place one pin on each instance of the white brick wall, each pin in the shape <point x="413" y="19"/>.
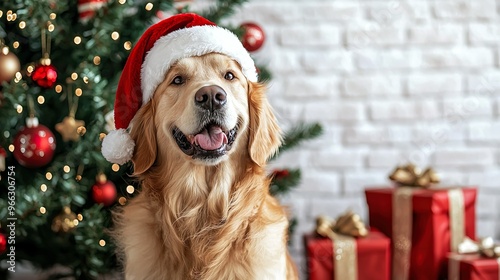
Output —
<point x="390" y="81"/>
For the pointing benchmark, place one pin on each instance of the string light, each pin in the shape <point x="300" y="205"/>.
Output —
<point x="22" y="24"/>
<point x="19" y="109"/>
<point x="101" y="136"/>
<point x="79" y="217"/>
<point x="122" y="1"/>
<point x="50" y="26"/>
<point x="149" y="6"/>
<point x="52" y="16"/>
<point x="127" y="45"/>
<point x="18" y="77"/>
<point x="43" y="188"/>
<point x="15" y="45"/>
<point x="40" y="99"/>
<point x="48" y="176"/>
<point x="97" y="60"/>
<point x="122" y="200"/>
<point x="102" y="243"/>
<point x="43" y="210"/>
<point x="77" y="40"/>
<point x="78" y="92"/>
<point x="130" y="189"/>
<point x="85" y="80"/>
<point x="11" y="16"/>
<point x="58" y="88"/>
<point x="1" y="13"/>
<point x="74" y="76"/>
<point x="11" y="148"/>
<point x="81" y="130"/>
<point x="66" y="169"/>
<point x="115" y="35"/>
<point x="75" y="222"/>
<point x="79" y="172"/>
<point x="115" y="167"/>
<point x="30" y="69"/>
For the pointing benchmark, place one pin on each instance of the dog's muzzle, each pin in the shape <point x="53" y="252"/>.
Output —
<point x="212" y="140"/>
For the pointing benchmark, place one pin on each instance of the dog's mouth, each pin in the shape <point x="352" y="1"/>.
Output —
<point x="212" y="141"/>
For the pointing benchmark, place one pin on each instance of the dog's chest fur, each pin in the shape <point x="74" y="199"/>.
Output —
<point x="227" y="229"/>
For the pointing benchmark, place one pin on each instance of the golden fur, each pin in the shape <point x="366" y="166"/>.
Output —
<point x="204" y="220"/>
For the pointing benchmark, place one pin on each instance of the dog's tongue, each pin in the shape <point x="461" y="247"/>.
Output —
<point x="211" y="138"/>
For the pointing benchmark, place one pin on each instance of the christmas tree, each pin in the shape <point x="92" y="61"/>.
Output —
<point x="60" y="62"/>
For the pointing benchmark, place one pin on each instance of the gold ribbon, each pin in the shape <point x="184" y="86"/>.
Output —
<point x="411" y="176"/>
<point x="470" y="249"/>
<point x="342" y="232"/>
<point x="457" y="218"/>
<point x="401" y="232"/>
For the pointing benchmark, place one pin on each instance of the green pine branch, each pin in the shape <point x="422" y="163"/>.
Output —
<point x="298" y="134"/>
<point x="222" y="9"/>
<point x="264" y="74"/>
<point x="283" y="184"/>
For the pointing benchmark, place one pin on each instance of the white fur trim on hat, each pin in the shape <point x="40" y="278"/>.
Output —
<point x="189" y="42"/>
<point x="118" y="146"/>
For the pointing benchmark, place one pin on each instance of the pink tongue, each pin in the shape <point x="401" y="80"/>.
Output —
<point x="211" y="139"/>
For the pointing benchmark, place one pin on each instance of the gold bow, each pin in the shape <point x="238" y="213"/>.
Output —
<point x="486" y="247"/>
<point x="411" y="176"/>
<point x="347" y="224"/>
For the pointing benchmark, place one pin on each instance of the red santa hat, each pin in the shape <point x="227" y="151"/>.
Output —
<point x="163" y="44"/>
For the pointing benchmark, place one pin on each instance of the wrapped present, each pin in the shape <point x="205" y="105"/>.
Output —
<point x="338" y="248"/>
<point x="475" y="261"/>
<point x="424" y="222"/>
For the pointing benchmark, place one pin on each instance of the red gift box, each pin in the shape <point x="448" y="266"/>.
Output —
<point x="430" y="234"/>
<point x="373" y="257"/>
<point x="474" y="267"/>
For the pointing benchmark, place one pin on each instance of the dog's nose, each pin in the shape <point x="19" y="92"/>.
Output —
<point x="210" y="98"/>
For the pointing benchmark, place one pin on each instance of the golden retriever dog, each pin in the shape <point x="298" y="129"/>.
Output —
<point x="204" y="211"/>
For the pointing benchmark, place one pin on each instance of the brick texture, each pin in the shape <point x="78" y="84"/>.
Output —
<point x="391" y="82"/>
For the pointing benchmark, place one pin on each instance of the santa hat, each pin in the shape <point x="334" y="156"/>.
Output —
<point x="163" y="44"/>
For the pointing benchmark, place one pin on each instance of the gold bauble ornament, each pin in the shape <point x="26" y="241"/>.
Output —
<point x="9" y="65"/>
<point x="65" y="222"/>
<point x="68" y="129"/>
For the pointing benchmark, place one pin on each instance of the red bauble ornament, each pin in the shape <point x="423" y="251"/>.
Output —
<point x="3" y="243"/>
<point x="44" y="75"/>
<point x="280" y="174"/>
<point x="3" y="155"/>
<point x="104" y="191"/>
<point x="34" y="144"/>
<point x="87" y="8"/>
<point x="253" y="36"/>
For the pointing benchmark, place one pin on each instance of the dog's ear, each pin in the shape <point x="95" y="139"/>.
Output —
<point x="143" y="133"/>
<point x="264" y="132"/>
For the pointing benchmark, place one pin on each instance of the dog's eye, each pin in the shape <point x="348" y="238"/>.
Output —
<point x="229" y="76"/>
<point x="178" y="80"/>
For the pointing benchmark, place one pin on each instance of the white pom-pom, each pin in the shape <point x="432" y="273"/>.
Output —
<point x="118" y="146"/>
